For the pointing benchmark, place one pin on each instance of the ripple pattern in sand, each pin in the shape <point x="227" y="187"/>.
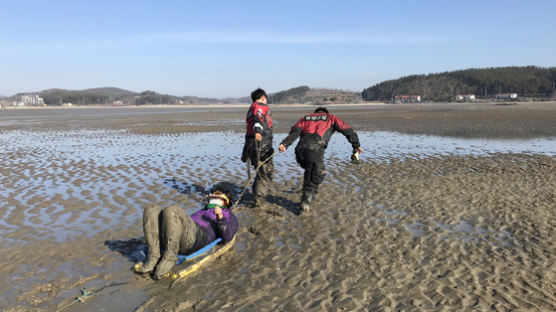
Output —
<point x="394" y="237"/>
<point x="409" y="229"/>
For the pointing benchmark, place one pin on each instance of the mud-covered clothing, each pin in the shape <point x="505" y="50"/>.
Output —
<point x="314" y="132"/>
<point x="225" y="228"/>
<point x="176" y="232"/>
<point x="263" y="179"/>
<point x="258" y="120"/>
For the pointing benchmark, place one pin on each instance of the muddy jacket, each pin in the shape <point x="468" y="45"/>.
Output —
<point x="316" y="129"/>
<point x="225" y="228"/>
<point x="259" y="120"/>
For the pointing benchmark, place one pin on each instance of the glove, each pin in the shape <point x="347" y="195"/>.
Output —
<point x="355" y="157"/>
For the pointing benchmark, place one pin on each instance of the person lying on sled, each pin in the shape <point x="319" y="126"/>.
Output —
<point x="176" y="232"/>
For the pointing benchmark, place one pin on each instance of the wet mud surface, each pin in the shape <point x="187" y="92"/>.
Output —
<point x="425" y="222"/>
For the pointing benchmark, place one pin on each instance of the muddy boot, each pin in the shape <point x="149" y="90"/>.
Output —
<point x="258" y="193"/>
<point x="152" y="260"/>
<point x="168" y="260"/>
<point x="165" y="265"/>
<point x="256" y="202"/>
<point x="306" y="200"/>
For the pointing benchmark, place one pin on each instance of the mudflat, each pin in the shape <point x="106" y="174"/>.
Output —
<point x="459" y="230"/>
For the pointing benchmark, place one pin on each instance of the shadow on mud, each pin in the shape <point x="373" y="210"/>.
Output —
<point x="132" y="249"/>
<point x="285" y="203"/>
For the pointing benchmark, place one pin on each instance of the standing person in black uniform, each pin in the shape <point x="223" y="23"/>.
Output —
<point x="258" y="144"/>
<point x="315" y="131"/>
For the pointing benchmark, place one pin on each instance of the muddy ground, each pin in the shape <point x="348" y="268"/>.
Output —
<point x="450" y="232"/>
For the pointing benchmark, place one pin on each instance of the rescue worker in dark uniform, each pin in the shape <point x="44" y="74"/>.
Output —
<point x="315" y="131"/>
<point x="258" y="144"/>
<point x="171" y="229"/>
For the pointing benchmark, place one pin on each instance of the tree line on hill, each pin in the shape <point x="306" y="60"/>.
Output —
<point x="306" y="95"/>
<point x="115" y="96"/>
<point x="529" y="81"/>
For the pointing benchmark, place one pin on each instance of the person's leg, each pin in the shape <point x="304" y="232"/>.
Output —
<point x="303" y="157"/>
<point x="313" y="176"/>
<point x="256" y="188"/>
<point x="265" y="175"/>
<point x="319" y="170"/>
<point x="263" y="179"/>
<point x="189" y="236"/>
<point x="308" y="189"/>
<point x="178" y="234"/>
<point x="151" y="222"/>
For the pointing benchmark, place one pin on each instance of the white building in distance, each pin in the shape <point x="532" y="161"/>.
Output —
<point x="32" y="99"/>
<point x="506" y="96"/>
<point x="462" y="97"/>
<point x="407" y="98"/>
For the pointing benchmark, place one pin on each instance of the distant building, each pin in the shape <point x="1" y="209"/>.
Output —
<point x="506" y="96"/>
<point x="464" y="97"/>
<point x="32" y="100"/>
<point x="407" y="98"/>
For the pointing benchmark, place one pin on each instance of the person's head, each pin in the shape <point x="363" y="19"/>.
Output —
<point x="221" y="195"/>
<point x="321" y="110"/>
<point x="259" y="96"/>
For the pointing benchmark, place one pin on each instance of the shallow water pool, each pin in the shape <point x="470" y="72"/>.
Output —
<point x="72" y="183"/>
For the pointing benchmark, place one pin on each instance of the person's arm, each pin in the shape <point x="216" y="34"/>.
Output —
<point x="345" y="129"/>
<point x="226" y="224"/>
<point x="259" y="116"/>
<point x="295" y="132"/>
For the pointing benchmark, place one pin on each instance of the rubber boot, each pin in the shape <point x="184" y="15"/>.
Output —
<point x="166" y="264"/>
<point x="306" y="200"/>
<point x="258" y="192"/>
<point x="153" y="257"/>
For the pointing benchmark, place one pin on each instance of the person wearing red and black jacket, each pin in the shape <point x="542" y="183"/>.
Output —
<point x="314" y="132"/>
<point x="258" y="144"/>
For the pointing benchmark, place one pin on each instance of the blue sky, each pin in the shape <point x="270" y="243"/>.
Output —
<point x="228" y="48"/>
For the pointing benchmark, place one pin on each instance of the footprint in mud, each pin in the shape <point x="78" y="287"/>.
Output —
<point x="273" y="213"/>
<point x="254" y="230"/>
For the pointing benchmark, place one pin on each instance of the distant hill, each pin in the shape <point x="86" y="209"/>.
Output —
<point x="116" y="96"/>
<point x="529" y="81"/>
<point x="84" y="97"/>
<point x="306" y="95"/>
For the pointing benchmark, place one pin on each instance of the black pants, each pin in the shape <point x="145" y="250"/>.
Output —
<point x="313" y="162"/>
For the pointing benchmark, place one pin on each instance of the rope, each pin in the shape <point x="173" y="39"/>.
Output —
<point x="246" y="186"/>
<point x="85" y="294"/>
